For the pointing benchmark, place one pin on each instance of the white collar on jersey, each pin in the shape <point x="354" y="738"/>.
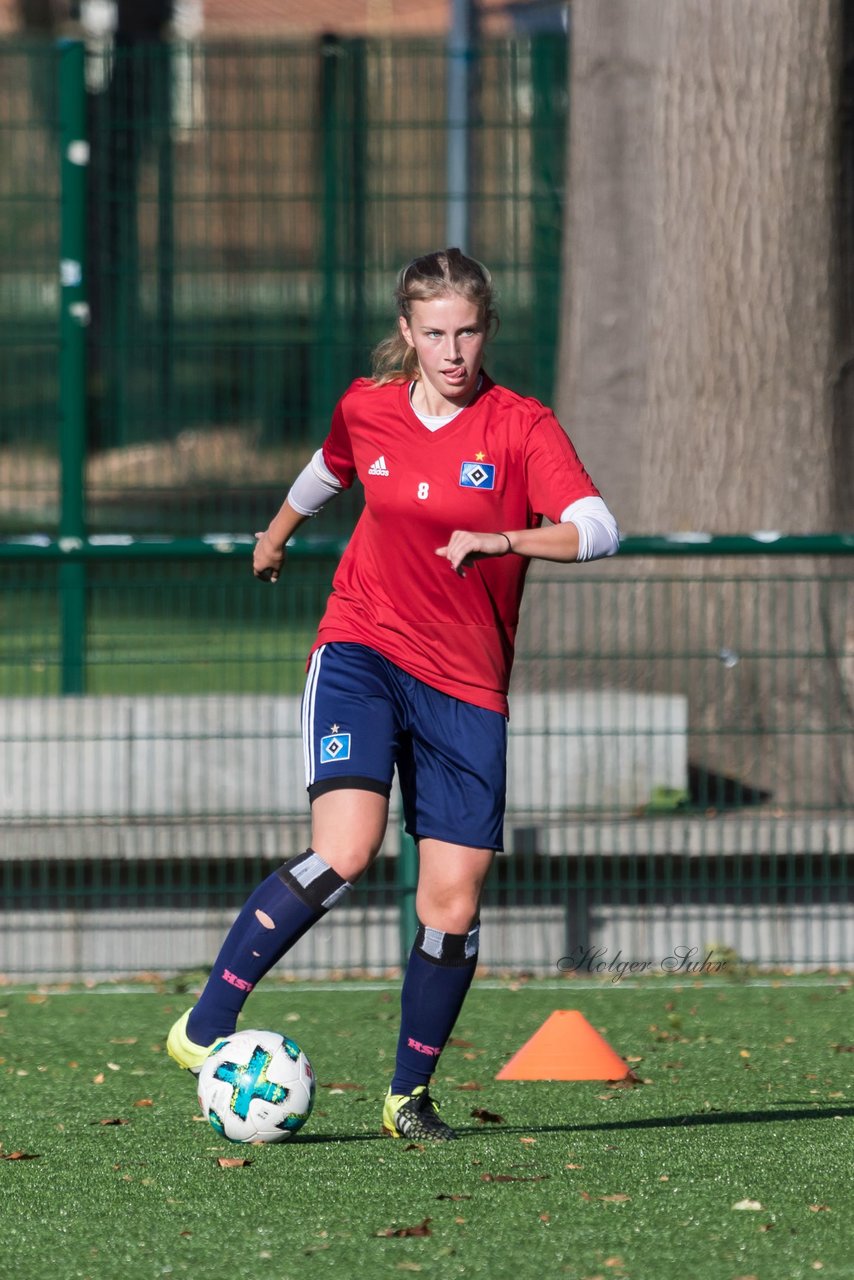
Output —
<point x="433" y="422"/>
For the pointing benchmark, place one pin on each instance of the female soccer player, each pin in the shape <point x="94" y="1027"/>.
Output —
<point x="412" y="660"/>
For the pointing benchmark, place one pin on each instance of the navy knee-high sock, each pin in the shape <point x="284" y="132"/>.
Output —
<point x="438" y="975"/>
<point x="278" y="913"/>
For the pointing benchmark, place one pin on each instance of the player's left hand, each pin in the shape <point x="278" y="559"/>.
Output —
<point x="464" y="547"/>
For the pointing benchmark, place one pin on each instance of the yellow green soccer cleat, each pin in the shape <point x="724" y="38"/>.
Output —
<point x="180" y="1047"/>
<point x="416" y="1116"/>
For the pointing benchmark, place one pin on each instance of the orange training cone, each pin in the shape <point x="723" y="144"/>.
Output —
<point x="566" y="1047"/>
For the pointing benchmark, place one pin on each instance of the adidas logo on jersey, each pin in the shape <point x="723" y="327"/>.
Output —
<point x="379" y="467"/>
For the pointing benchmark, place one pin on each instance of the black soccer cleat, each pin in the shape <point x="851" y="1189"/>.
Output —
<point x="415" y="1116"/>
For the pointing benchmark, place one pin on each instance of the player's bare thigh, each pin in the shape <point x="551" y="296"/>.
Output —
<point x="450" y="884"/>
<point x="347" y="829"/>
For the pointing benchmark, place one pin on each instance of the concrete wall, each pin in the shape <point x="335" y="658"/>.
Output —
<point x="186" y="757"/>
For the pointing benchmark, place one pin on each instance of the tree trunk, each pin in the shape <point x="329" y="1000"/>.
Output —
<point x="705" y="347"/>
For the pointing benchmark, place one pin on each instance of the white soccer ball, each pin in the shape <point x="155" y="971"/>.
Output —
<point x="256" y="1086"/>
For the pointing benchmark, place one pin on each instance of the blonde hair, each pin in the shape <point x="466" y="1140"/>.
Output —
<point x="435" y="275"/>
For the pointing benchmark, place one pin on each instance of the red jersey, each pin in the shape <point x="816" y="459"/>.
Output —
<point x="503" y="462"/>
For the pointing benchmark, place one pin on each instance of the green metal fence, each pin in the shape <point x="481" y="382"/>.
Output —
<point x="231" y="221"/>
<point x="197" y="246"/>
<point x="680" y="761"/>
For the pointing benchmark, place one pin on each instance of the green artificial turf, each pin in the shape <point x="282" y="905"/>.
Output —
<point x="746" y="1100"/>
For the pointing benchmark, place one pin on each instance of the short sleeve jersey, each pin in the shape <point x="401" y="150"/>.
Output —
<point x="504" y="462"/>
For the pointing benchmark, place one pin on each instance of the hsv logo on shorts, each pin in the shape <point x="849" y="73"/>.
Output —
<point x="477" y="475"/>
<point x="335" y="746"/>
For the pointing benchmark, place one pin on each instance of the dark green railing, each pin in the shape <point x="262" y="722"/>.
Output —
<point x="680" y="753"/>
<point x="42" y="548"/>
<point x="72" y="553"/>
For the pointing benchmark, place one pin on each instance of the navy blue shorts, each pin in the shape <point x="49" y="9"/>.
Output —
<point x="362" y="716"/>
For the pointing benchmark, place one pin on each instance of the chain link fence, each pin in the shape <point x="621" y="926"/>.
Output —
<point x="198" y="245"/>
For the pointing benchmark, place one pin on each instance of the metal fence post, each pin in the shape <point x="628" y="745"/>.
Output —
<point x="325" y="376"/>
<point x="407" y="883"/>
<point x="460" y="53"/>
<point x="162" y="71"/>
<point x="548" y="155"/>
<point x="74" y="318"/>
<point x="357" y="186"/>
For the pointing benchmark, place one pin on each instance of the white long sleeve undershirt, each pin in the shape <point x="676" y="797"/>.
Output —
<point x="314" y="487"/>
<point x="598" y="535"/>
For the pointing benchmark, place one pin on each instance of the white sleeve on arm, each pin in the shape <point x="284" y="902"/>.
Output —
<point x="598" y="534"/>
<point x="313" y="487"/>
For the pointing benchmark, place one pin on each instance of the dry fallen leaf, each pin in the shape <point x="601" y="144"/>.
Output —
<point x="99" y="1078"/>
<point x="747" y="1204"/>
<point x="470" y="1086"/>
<point x="617" y="1198"/>
<point x="444" y="1195"/>
<point x="19" y="1155"/>
<point x="819" y="1208"/>
<point x="422" y="1229"/>
<point x="486" y="1117"/>
<point x="233" y="1162"/>
<point x="143" y="1102"/>
<point x="110" y="1120"/>
<point x="341" y="1085"/>
<point x="627" y="1082"/>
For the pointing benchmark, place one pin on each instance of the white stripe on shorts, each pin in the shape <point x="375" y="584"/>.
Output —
<point x="308" y="700"/>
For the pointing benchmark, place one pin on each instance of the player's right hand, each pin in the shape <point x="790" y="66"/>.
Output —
<point x="267" y="558"/>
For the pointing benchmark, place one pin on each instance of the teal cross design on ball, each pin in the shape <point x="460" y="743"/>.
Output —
<point x="249" y="1081"/>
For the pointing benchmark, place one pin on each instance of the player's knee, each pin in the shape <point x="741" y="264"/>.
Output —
<point x="348" y="825"/>
<point x="352" y="863"/>
<point x="452" y="911"/>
